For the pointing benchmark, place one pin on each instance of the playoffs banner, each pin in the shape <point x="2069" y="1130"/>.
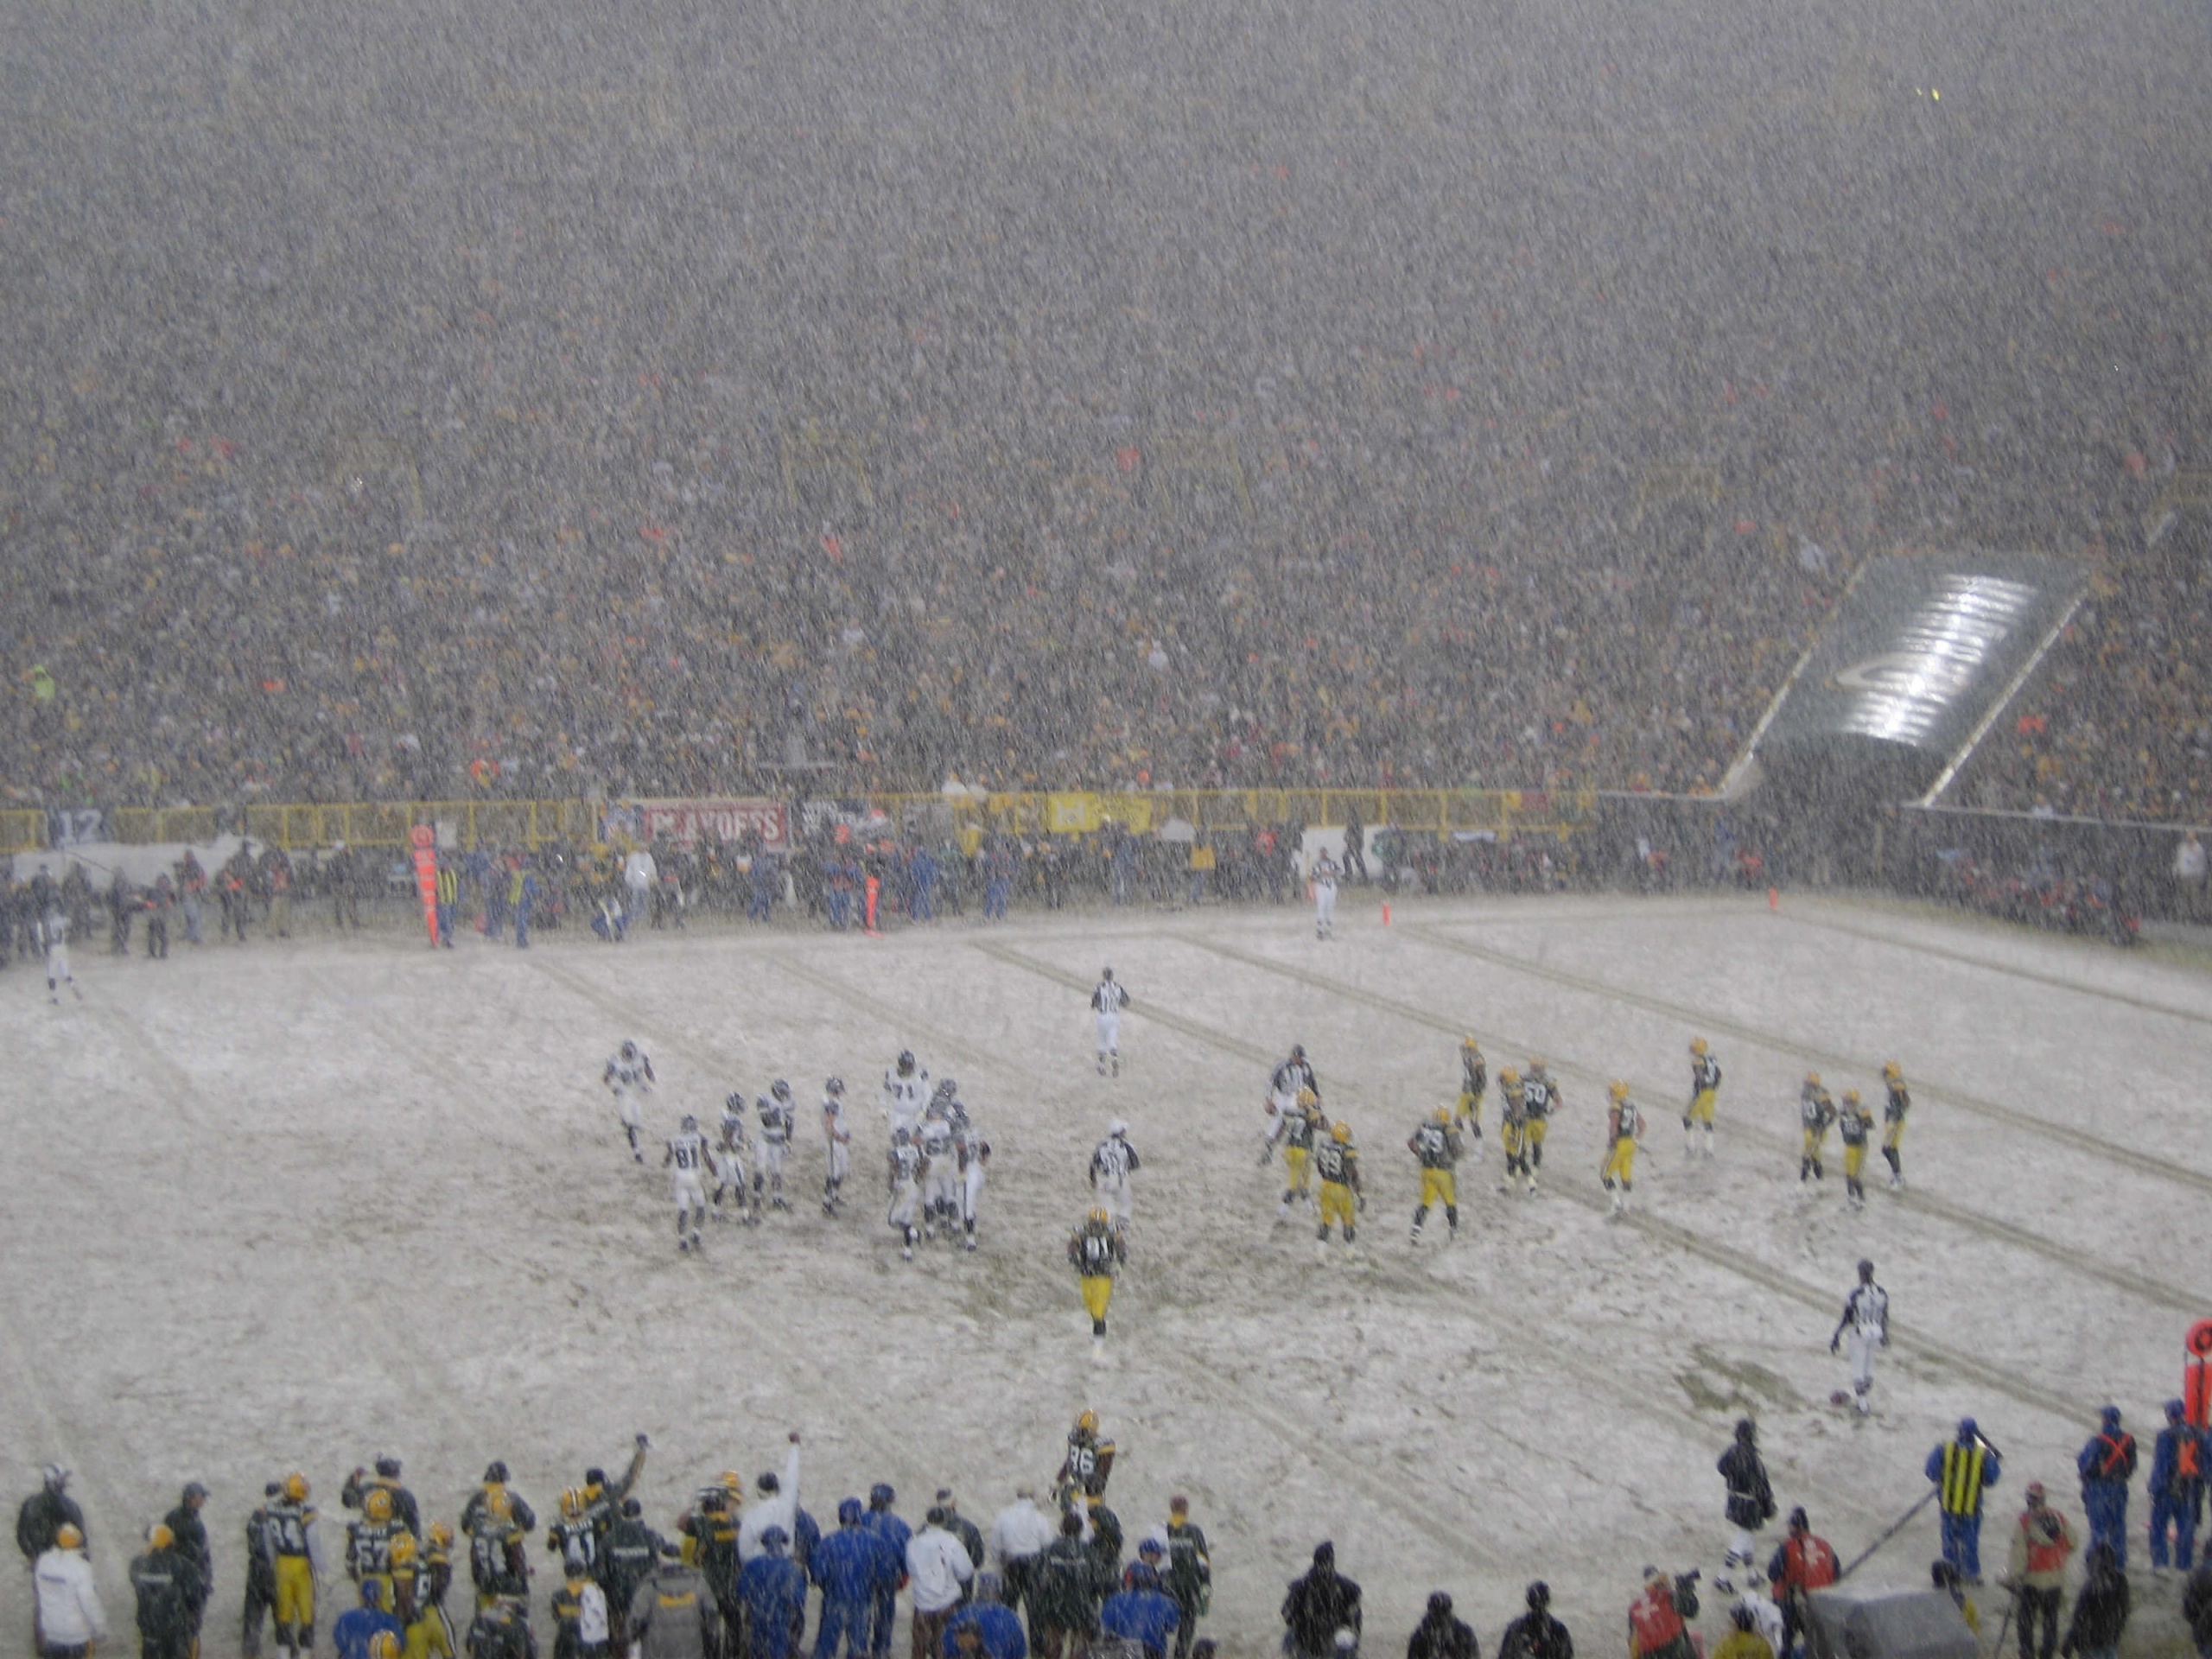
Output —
<point x="1923" y="650"/>
<point x="687" y="823"/>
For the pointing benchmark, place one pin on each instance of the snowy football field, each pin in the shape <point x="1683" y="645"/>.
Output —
<point x="300" y="1203"/>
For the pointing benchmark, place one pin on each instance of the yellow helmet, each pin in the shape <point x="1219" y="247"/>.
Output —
<point x="376" y="1504"/>
<point x="296" y="1487"/>
<point x="441" y="1534"/>
<point x="67" y="1536"/>
<point x="572" y="1504"/>
<point x="1619" y="1091"/>
<point x="1508" y="1077"/>
<point x="1442" y="1114"/>
<point x="1098" y="1217"/>
<point x="403" y="1549"/>
<point x="1811" y="1079"/>
<point x="1307" y="1098"/>
<point x="1536" y="1062"/>
<point x="731" y="1481"/>
<point x="1851" y="1096"/>
<point x="1697" y="1044"/>
<point x="383" y="1645"/>
<point x="1469" y="1043"/>
<point x="1087" y="1422"/>
<point x="158" y="1536"/>
<point x="1893" y="1071"/>
<point x="1340" y="1132"/>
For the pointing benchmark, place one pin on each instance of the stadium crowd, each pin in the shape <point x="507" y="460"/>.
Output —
<point x="738" y="1576"/>
<point x="526" y="521"/>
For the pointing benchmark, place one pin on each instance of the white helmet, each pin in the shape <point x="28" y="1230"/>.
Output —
<point x="1117" y="1128"/>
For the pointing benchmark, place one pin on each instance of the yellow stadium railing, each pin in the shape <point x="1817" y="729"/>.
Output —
<point x="1069" y="812"/>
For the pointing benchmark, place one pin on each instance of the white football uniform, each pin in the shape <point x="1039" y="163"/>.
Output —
<point x="630" y="1079"/>
<point x="1111" y="1166"/>
<point x="55" y="929"/>
<point x="777" y="1122"/>
<point x="687" y="1164"/>
<point x="941" y="1186"/>
<point x="729" y="1161"/>
<point x="1324" y="895"/>
<point x="904" y="1099"/>
<point x="1106" y="1005"/>
<point x="1866" y="1315"/>
<point x="972" y="1150"/>
<point x="905" y="1185"/>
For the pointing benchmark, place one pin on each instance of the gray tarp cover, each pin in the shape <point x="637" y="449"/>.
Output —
<point x="1849" y="1622"/>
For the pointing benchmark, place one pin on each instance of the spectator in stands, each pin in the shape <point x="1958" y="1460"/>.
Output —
<point x="2190" y="864"/>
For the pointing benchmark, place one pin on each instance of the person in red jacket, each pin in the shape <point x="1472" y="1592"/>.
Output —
<point x="1655" y="1629"/>
<point x="1803" y="1564"/>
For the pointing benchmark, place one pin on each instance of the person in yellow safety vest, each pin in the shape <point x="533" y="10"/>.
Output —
<point x="1963" y="1468"/>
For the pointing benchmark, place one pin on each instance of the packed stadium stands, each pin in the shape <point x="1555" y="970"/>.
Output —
<point x="442" y="403"/>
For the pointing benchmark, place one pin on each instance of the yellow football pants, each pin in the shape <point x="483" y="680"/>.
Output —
<point x="1533" y="1137"/>
<point x="1621" y="1166"/>
<point x="429" y="1635"/>
<point x="1815" y="1139"/>
<point x="1853" y="1157"/>
<point x="1098" y="1291"/>
<point x="1469" y="1110"/>
<point x="294" y="1591"/>
<point x="1701" y="1105"/>
<point x="1893" y="1133"/>
<point x="1509" y="1136"/>
<point x="1337" y="1205"/>
<point x="1296" y="1165"/>
<point x="1437" y="1186"/>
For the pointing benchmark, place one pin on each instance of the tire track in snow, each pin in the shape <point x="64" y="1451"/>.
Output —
<point x="1799" y="918"/>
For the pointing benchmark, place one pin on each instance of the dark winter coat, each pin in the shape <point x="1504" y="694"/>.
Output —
<point x="1318" y="1605"/>
<point x="626" y="1555"/>
<point x="970" y="1534"/>
<point x="1750" y="1498"/>
<point x="1066" y="1587"/>
<point x="2100" y="1614"/>
<point x="191" y="1534"/>
<point x="1536" y="1635"/>
<point x="43" y="1514"/>
<point x="168" y="1586"/>
<point x="1443" y="1637"/>
<point x="2196" y="1604"/>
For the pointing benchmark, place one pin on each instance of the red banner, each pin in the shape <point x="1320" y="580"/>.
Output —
<point x="685" y="823"/>
<point x="424" y="840"/>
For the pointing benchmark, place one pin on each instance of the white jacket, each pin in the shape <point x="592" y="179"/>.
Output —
<point x="1022" y="1532"/>
<point x="778" y="1508"/>
<point x="69" y="1611"/>
<point x="936" y="1566"/>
